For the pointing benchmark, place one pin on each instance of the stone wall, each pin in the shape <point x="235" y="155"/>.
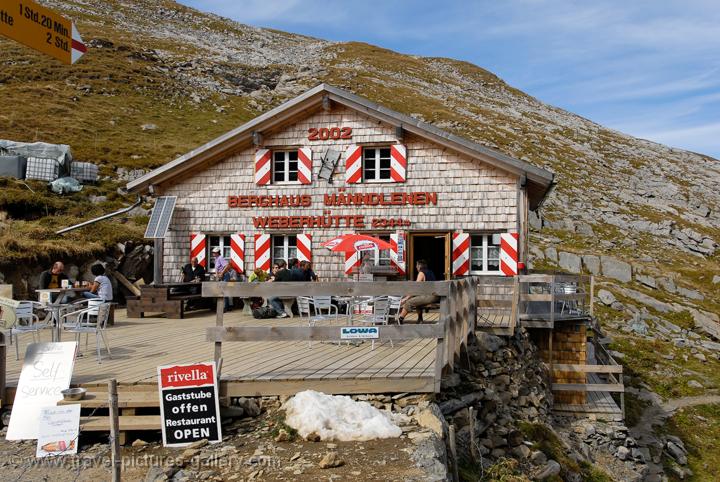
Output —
<point x="471" y="196"/>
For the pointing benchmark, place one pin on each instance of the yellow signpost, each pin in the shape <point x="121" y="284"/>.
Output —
<point x="42" y="29"/>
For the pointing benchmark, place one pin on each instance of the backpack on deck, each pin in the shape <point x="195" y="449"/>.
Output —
<point x="264" y="312"/>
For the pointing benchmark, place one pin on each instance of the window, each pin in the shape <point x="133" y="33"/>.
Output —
<point x="222" y="242"/>
<point x="284" y="247"/>
<point x="381" y="257"/>
<point x="285" y="166"/>
<point x="376" y="164"/>
<point x="485" y="254"/>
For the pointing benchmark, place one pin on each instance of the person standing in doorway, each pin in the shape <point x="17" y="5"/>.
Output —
<point x="412" y="303"/>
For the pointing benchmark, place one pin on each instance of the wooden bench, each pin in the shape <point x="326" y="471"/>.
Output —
<point x="159" y="299"/>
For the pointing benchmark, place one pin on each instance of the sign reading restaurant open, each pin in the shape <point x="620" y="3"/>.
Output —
<point x="189" y="405"/>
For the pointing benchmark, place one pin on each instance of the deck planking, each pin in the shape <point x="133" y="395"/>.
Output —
<point x="139" y="346"/>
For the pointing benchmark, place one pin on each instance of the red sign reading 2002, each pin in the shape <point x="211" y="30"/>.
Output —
<point x="329" y="133"/>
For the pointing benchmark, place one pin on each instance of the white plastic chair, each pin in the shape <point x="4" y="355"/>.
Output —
<point x="324" y="308"/>
<point x="379" y="316"/>
<point x="26" y="321"/>
<point x="90" y="320"/>
<point x="395" y="307"/>
<point x="303" y="305"/>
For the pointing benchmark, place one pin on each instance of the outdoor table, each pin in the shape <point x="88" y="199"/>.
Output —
<point x="55" y="306"/>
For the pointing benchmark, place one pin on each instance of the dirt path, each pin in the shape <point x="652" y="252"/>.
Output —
<point x="655" y="415"/>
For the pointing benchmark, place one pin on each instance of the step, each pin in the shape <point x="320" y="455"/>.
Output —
<point x="125" y="400"/>
<point x="126" y="423"/>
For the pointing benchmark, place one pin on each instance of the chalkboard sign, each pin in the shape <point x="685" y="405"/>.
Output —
<point x="189" y="405"/>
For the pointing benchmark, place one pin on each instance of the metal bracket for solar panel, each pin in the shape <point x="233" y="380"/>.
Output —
<point x="329" y="163"/>
<point x="160" y="218"/>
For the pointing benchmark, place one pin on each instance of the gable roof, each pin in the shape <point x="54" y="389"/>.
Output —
<point x="539" y="181"/>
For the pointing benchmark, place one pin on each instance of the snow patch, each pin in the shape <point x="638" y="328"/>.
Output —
<point x="337" y="417"/>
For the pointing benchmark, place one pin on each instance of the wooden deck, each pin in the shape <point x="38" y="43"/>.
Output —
<point x="250" y="368"/>
<point x="599" y="406"/>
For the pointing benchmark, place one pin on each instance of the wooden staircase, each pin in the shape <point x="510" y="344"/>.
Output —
<point x="130" y="399"/>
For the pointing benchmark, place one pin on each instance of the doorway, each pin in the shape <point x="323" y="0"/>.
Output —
<point x="434" y="248"/>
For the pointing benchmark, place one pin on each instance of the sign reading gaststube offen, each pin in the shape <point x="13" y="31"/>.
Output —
<point x="189" y="406"/>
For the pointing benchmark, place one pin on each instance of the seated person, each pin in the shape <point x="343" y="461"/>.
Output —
<point x="101" y="287"/>
<point x="296" y="271"/>
<point x="412" y="303"/>
<point x="53" y="278"/>
<point x="193" y="271"/>
<point x="282" y="275"/>
<point x="258" y="276"/>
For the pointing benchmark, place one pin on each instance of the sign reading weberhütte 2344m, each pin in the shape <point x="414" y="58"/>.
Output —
<point x="189" y="406"/>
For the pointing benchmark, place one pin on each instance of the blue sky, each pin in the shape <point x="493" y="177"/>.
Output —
<point x="647" y="68"/>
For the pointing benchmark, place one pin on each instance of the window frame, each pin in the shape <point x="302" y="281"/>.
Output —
<point x="484" y="248"/>
<point x="285" y="246"/>
<point x="286" y="164"/>
<point x="377" y="169"/>
<point x="225" y="249"/>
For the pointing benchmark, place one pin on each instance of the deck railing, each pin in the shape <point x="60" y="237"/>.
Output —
<point x="456" y="322"/>
<point x="544" y="299"/>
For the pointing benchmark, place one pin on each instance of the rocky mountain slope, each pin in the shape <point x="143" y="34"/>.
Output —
<point x="161" y="78"/>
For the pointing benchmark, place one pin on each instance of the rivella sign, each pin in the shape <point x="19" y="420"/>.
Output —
<point x="41" y="29"/>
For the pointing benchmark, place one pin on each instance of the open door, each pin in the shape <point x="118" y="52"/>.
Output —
<point x="434" y="248"/>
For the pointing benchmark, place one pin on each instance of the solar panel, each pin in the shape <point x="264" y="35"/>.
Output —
<point x="161" y="216"/>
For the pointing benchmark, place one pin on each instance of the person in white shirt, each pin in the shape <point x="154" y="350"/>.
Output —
<point x="101" y="287"/>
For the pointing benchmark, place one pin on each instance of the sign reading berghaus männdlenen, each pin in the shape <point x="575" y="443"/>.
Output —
<point x="189" y="404"/>
<point x="359" y="332"/>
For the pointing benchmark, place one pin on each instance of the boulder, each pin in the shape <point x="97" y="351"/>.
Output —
<point x="648" y="281"/>
<point x="489" y="342"/>
<point x="550" y="470"/>
<point x="570" y="262"/>
<point x="606" y="297"/>
<point x="616" y="269"/>
<point x="432" y="418"/>
<point x="716" y="279"/>
<point x="667" y="284"/>
<point x="331" y="460"/>
<point x="551" y="254"/>
<point x="591" y="263"/>
<point x="676" y="453"/>
<point x="692" y="294"/>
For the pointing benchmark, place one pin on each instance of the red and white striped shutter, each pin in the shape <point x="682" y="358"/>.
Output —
<point x="262" y="252"/>
<point x="305" y="165"/>
<point x="353" y="164"/>
<point x="304" y="247"/>
<point x="351" y="261"/>
<point x="509" y="254"/>
<point x="397" y="258"/>
<point x="398" y="162"/>
<point x="460" y="254"/>
<point x="198" y="246"/>
<point x="262" y="166"/>
<point x="237" y="252"/>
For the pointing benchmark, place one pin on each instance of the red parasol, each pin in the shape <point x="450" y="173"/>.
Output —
<point x="349" y="243"/>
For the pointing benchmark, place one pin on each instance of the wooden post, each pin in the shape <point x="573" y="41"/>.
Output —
<point x="219" y="311"/>
<point x="3" y="369"/>
<point x="453" y="454"/>
<point x="158" y="261"/>
<point x="471" y="417"/>
<point x="114" y="430"/>
<point x="592" y="295"/>
<point x="552" y="302"/>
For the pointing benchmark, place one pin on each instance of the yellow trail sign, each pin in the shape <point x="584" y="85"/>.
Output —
<point x="42" y="29"/>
